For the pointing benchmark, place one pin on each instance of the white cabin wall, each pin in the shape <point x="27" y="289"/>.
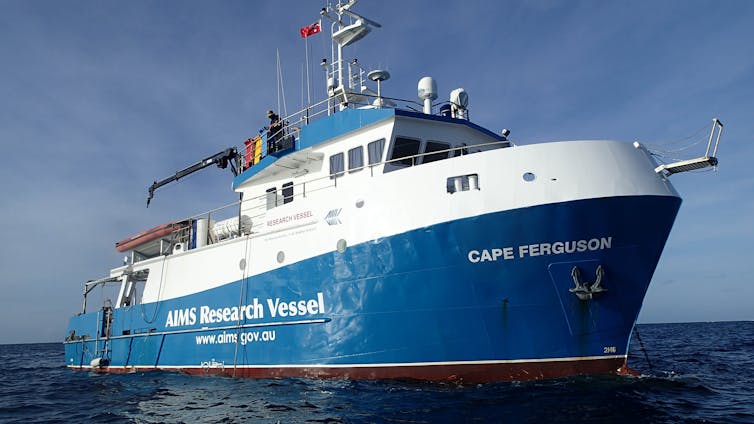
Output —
<point x="313" y="182"/>
<point x="371" y="207"/>
<point x="195" y="270"/>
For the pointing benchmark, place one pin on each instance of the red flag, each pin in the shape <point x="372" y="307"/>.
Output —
<point x="310" y="30"/>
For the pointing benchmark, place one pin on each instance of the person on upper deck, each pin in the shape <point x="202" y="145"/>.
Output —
<point x="275" y="131"/>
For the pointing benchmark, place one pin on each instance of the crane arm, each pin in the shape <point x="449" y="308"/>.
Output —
<point x="221" y="159"/>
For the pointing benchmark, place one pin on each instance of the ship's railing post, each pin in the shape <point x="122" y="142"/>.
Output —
<point x="97" y="332"/>
<point x="320" y="183"/>
<point x="86" y="292"/>
<point x="240" y="202"/>
<point x="711" y="134"/>
<point x="209" y="222"/>
<point x="717" y="126"/>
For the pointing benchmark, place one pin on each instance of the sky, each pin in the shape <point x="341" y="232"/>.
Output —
<point x="100" y="98"/>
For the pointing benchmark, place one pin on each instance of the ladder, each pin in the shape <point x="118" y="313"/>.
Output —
<point x="698" y="163"/>
<point x="104" y="328"/>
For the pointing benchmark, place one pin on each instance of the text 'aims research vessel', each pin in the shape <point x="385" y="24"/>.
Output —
<point x="376" y="239"/>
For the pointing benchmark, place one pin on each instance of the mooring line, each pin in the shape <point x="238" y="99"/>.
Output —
<point x="644" y="350"/>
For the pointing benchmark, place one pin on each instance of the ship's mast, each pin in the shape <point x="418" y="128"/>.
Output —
<point x="344" y="34"/>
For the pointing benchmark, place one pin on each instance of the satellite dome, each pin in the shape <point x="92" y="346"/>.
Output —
<point x="427" y="88"/>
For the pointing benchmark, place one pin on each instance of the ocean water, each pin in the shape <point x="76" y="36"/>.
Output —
<point x="696" y="373"/>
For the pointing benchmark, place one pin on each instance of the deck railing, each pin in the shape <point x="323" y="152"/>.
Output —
<point x="291" y="125"/>
<point x="222" y="222"/>
<point x="251" y="211"/>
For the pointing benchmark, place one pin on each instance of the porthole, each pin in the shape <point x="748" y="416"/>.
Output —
<point x="242" y="264"/>
<point x="529" y="177"/>
<point x="281" y="257"/>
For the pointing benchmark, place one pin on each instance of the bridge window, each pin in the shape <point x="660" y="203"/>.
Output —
<point x="403" y="154"/>
<point x="374" y="151"/>
<point x="336" y="165"/>
<point x="435" y="146"/>
<point x="356" y="159"/>
<point x="462" y="151"/>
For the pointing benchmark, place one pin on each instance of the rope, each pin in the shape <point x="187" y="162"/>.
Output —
<point x="680" y="149"/>
<point x="241" y="297"/>
<point x="667" y="150"/>
<point x="159" y="294"/>
<point x="641" y="344"/>
<point x="699" y="130"/>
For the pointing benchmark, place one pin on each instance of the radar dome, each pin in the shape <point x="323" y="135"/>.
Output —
<point x="427" y="88"/>
<point x="460" y="98"/>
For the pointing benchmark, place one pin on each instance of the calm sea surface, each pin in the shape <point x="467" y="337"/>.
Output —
<point x="700" y="372"/>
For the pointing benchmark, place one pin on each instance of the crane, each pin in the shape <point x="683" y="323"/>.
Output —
<point x="221" y="159"/>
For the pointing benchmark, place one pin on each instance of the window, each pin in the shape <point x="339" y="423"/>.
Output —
<point x="404" y="148"/>
<point x="272" y="198"/>
<point x="336" y="166"/>
<point x="463" y="150"/>
<point x="463" y="183"/>
<point x="287" y="192"/>
<point x="435" y="146"/>
<point x="356" y="159"/>
<point x="374" y="151"/>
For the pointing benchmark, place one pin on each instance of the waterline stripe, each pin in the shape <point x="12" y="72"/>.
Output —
<point x="382" y="365"/>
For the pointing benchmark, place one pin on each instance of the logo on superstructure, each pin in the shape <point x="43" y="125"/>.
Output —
<point x="333" y="217"/>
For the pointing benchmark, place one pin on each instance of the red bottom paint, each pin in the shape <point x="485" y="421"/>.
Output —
<point x="470" y="372"/>
<point x="626" y="370"/>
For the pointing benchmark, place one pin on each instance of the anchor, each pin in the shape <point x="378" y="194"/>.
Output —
<point x="585" y="290"/>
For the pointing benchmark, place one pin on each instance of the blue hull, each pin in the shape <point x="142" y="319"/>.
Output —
<point x="484" y="298"/>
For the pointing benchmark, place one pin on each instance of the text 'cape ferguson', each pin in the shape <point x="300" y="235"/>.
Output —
<point x="539" y="249"/>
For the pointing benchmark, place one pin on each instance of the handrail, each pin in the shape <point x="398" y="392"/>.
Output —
<point x="256" y="207"/>
<point x="716" y="126"/>
<point x="247" y="205"/>
<point x="705" y="161"/>
<point x="293" y="122"/>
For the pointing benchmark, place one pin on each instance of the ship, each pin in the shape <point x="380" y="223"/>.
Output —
<point x="381" y="238"/>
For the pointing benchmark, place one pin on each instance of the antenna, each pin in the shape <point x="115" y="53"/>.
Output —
<point x="344" y="34"/>
<point x="281" y="87"/>
<point x="365" y="19"/>
<point x="379" y="75"/>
